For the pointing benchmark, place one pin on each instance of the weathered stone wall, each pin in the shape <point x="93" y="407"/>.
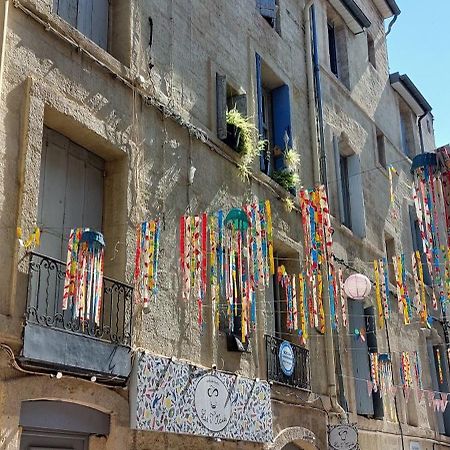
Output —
<point x="47" y="81"/>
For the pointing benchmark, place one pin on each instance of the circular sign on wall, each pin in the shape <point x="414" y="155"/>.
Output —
<point x="212" y="405"/>
<point x="286" y="358"/>
<point x="343" y="437"/>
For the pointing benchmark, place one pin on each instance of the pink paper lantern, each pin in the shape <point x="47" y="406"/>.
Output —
<point x="357" y="286"/>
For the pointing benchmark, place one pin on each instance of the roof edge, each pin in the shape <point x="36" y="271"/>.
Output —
<point x="412" y="90"/>
<point x="357" y="13"/>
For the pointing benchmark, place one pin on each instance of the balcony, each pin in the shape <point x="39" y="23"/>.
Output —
<point x="290" y="368"/>
<point x="56" y="339"/>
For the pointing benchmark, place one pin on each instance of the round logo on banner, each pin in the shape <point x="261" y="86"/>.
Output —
<point x="343" y="437"/>
<point x="212" y="403"/>
<point x="286" y="357"/>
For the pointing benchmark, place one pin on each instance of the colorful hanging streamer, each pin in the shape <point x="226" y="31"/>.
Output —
<point x="146" y="261"/>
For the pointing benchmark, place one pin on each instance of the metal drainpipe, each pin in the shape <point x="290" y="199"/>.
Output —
<point x="317" y="132"/>
<point x="422" y="145"/>
<point x="391" y="24"/>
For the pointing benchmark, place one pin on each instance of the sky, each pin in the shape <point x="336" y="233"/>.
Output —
<point x="419" y="46"/>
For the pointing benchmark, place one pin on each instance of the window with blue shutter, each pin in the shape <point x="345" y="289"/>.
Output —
<point x="282" y="137"/>
<point x="90" y="17"/>
<point x="274" y="118"/>
<point x="268" y="9"/>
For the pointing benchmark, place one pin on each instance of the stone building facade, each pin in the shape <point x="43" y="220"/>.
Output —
<point x="106" y="108"/>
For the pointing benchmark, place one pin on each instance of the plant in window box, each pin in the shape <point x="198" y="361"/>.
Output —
<point x="288" y="177"/>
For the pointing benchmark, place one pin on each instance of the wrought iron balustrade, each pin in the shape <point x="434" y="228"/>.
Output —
<point x="300" y="364"/>
<point x="44" y="304"/>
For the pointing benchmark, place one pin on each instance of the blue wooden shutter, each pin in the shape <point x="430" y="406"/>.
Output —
<point x="100" y="21"/>
<point x="267" y="8"/>
<point x="281" y="111"/>
<point x="259" y="102"/>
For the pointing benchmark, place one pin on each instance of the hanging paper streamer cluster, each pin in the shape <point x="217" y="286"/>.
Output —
<point x="146" y="261"/>
<point x="83" y="284"/>
<point x="430" y="191"/>
<point x="382" y="290"/>
<point x="193" y="259"/>
<point x="405" y="371"/>
<point x="319" y="259"/>
<point x="403" y="298"/>
<point x="295" y="301"/>
<point x="240" y="246"/>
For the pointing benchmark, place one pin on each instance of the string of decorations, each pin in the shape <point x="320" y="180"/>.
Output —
<point x="146" y="261"/>
<point x="240" y="262"/>
<point x="83" y="284"/>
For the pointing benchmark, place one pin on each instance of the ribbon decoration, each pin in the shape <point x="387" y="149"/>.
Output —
<point x="33" y="240"/>
<point x="302" y="308"/>
<point x="402" y="289"/>
<point x="240" y="262"/>
<point x="83" y="284"/>
<point x="343" y="297"/>
<point x="146" y="261"/>
<point x="380" y="308"/>
<point x="391" y="171"/>
<point x="439" y="364"/>
<point x="319" y="259"/>
<point x="405" y="371"/>
<point x="374" y="371"/>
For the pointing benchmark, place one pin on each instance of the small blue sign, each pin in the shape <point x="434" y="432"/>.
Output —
<point x="286" y="358"/>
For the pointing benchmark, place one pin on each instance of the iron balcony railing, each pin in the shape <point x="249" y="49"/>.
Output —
<point x="295" y="371"/>
<point x="44" y="303"/>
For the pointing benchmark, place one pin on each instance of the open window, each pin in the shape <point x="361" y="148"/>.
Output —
<point x="337" y="47"/>
<point x="350" y="188"/>
<point x="289" y="259"/>
<point x="407" y="125"/>
<point x="274" y="117"/>
<point x="90" y="17"/>
<point x="269" y="9"/>
<point x="381" y="149"/>
<point x="363" y="319"/>
<point x="227" y="98"/>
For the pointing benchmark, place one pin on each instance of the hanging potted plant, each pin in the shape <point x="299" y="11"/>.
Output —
<point x="239" y="131"/>
<point x="288" y="177"/>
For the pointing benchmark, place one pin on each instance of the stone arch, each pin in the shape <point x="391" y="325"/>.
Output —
<point x="303" y="438"/>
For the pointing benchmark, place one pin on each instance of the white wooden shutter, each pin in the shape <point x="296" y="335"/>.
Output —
<point x="67" y="9"/>
<point x="52" y="192"/>
<point x="221" y="105"/>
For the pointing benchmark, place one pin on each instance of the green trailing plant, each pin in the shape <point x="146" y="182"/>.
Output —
<point x="248" y="147"/>
<point x="288" y="204"/>
<point x="288" y="177"/>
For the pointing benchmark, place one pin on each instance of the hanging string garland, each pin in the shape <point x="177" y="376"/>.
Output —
<point x="83" y="284"/>
<point x="241" y="262"/>
<point x="319" y="257"/>
<point x="146" y="261"/>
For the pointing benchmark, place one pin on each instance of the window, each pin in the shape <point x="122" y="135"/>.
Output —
<point x="274" y="117"/>
<point x="389" y="244"/>
<point x="70" y="192"/>
<point x="349" y="186"/>
<point x="337" y="48"/>
<point x="364" y="318"/>
<point x="345" y="189"/>
<point x="227" y="98"/>
<point x="371" y="51"/>
<point x="407" y="129"/>
<point x="381" y="149"/>
<point x="90" y="17"/>
<point x="332" y="48"/>
<point x="269" y="9"/>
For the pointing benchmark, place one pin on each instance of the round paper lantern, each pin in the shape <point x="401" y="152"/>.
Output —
<point x="357" y="286"/>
